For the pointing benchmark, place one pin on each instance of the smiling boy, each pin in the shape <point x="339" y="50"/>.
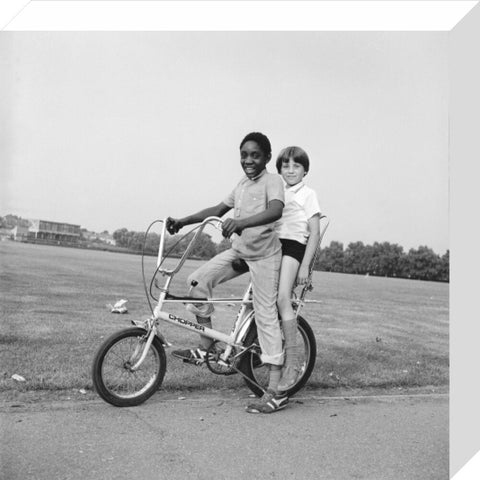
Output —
<point x="257" y="202"/>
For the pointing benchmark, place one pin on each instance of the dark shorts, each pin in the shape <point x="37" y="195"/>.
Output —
<point x="293" y="249"/>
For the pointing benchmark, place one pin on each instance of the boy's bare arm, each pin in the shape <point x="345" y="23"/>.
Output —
<point x="175" y="224"/>
<point x="270" y="215"/>
<point x="314" y="227"/>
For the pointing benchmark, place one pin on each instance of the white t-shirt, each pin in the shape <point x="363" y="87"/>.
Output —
<point x="301" y="204"/>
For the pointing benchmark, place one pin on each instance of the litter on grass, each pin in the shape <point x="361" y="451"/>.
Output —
<point x="119" y="307"/>
<point x="18" y="378"/>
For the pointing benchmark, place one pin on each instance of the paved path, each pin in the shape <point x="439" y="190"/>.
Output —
<point x="211" y="437"/>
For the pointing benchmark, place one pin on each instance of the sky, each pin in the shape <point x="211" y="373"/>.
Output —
<point x="116" y="129"/>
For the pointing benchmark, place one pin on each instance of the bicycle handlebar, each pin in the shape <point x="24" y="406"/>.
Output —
<point x="215" y="221"/>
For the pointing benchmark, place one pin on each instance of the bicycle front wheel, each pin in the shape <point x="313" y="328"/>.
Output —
<point x="258" y="373"/>
<point x="114" y="377"/>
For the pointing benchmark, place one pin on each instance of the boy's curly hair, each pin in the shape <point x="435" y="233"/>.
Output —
<point x="262" y="141"/>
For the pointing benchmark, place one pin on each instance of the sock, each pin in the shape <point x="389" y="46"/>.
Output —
<point x="290" y="333"/>
<point x="205" y="342"/>
<point x="275" y="375"/>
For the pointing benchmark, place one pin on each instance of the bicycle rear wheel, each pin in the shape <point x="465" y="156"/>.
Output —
<point x="113" y="377"/>
<point x="255" y="370"/>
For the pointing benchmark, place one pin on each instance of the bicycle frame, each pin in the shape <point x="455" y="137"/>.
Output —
<point x="240" y="326"/>
<point x="130" y="365"/>
<point x="244" y="316"/>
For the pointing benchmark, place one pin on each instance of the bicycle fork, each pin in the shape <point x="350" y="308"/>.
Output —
<point x="144" y="347"/>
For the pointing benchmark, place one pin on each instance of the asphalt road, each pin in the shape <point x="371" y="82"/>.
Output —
<point x="212" y="437"/>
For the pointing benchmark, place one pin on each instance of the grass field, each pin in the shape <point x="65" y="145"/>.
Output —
<point x="372" y="333"/>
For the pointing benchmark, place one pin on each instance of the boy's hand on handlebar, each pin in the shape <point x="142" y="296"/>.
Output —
<point x="231" y="226"/>
<point x="173" y="225"/>
<point x="302" y="276"/>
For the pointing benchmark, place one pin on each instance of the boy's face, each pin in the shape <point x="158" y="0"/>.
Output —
<point x="292" y="172"/>
<point x="252" y="159"/>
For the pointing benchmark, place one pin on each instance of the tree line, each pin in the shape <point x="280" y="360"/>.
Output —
<point x="385" y="260"/>
<point x="204" y="247"/>
<point x="380" y="259"/>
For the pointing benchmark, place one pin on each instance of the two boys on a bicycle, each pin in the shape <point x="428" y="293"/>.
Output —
<point x="257" y="201"/>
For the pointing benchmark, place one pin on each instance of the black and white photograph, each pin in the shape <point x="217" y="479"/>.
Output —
<point x="225" y="240"/>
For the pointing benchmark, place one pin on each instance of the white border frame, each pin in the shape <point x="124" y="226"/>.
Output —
<point x="90" y="15"/>
<point x="236" y="15"/>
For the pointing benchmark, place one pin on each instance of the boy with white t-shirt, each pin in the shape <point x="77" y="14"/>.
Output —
<point x="299" y="233"/>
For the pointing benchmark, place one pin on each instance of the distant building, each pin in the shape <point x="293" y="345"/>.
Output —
<point x="53" y="231"/>
<point x="13" y="227"/>
<point x="103" y="237"/>
<point x="89" y="235"/>
<point x="107" y="238"/>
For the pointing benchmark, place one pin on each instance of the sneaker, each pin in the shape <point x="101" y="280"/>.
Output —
<point x="270" y="402"/>
<point x="289" y="377"/>
<point x="195" y="356"/>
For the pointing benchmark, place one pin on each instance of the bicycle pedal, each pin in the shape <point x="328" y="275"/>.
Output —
<point x="193" y="362"/>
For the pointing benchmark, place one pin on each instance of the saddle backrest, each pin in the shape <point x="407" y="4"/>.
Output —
<point x="319" y="244"/>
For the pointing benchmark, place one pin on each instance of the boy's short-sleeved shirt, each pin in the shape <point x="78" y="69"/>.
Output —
<point x="301" y="204"/>
<point x="249" y="197"/>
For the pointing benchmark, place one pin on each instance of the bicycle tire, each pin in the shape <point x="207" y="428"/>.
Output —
<point x="255" y="370"/>
<point x="114" y="381"/>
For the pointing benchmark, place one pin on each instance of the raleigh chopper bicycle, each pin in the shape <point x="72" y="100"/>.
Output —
<point x="130" y="365"/>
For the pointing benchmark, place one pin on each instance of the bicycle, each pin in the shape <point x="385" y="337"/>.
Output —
<point x="130" y="365"/>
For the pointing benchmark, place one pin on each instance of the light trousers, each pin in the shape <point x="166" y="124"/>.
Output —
<point x="264" y="275"/>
